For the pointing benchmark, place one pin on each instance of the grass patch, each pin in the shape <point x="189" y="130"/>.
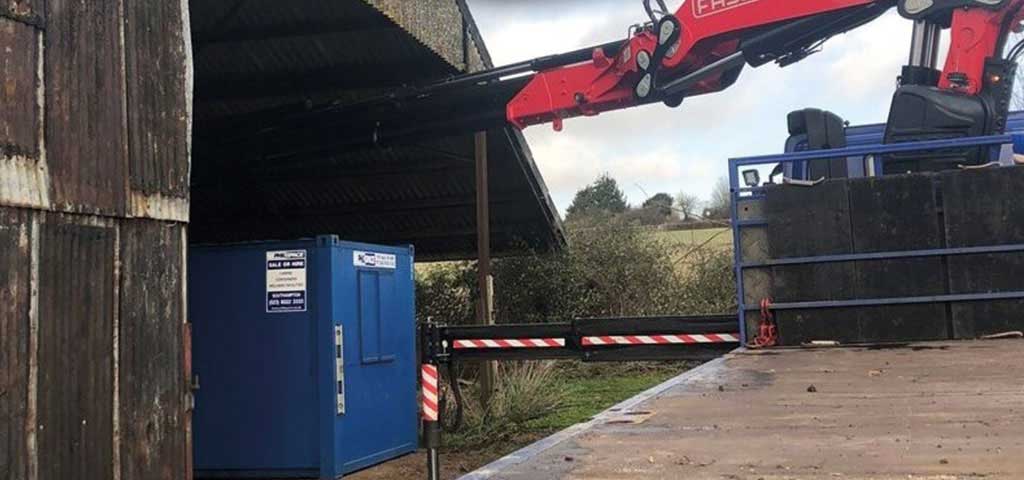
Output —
<point x="584" y="391"/>
<point x="588" y="388"/>
<point x="588" y="396"/>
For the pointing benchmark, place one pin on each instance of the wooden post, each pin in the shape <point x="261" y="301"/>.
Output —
<point x="485" y="309"/>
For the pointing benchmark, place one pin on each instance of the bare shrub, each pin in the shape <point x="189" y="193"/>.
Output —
<point x="526" y="391"/>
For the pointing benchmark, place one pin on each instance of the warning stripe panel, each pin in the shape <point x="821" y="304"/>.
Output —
<point x="429" y="384"/>
<point x="510" y="343"/>
<point x="686" y="339"/>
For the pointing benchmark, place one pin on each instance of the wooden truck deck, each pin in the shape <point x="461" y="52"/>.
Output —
<point x="950" y="410"/>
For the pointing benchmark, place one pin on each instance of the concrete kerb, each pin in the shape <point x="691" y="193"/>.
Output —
<point x="704" y="372"/>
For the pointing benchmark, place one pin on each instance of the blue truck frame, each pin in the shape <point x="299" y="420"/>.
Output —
<point x="865" y="143"/>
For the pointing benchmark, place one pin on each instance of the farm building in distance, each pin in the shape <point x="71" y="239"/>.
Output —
<point x="100" y="129"/>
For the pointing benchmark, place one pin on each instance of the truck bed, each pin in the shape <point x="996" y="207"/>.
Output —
<point x="918" y="411"/>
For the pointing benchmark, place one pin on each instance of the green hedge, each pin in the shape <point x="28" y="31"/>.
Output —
<point x="611" y="268"/>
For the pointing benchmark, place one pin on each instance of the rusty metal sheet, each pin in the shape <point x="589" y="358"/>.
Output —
<point x="150" y="368"/>
<point x="158" y="87"/>
<point x="24" y="180"/>
<point x="19" y="112"/>
<point x="85" y="104"/>
<point x="28" y="12"/>
<point x="76" y="349"/>
<point x="14" y="342"/>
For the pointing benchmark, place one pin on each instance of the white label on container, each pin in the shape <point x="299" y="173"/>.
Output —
<point x="374" y="260"/>
<point x="286" y="281"/>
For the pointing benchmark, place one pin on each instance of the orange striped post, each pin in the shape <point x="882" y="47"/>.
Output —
<point x="429" y="383"/>
<point x="431" y="428"/>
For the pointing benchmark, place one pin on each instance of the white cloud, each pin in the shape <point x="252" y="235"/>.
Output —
<point x="867" y="62"/>
<point x="541" y="28"/>
<point x="526" y="40"/>
<point x="565" y="161"/>
<point x="569" y="163"/>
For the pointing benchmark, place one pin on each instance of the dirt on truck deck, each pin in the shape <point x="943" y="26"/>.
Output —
<point x="922" y="411"/>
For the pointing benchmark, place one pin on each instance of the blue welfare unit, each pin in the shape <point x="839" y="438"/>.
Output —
<point x="305" y="358"/>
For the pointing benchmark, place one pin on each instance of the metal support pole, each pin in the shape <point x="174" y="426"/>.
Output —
<point x="432" y="441"/>
<point x="935" y="38"/>
<point x="485" y="313"/>
<point x="924" y="45"/>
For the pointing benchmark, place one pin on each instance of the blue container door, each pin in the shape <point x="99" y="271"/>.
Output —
<point x="255" y="409"/>
<point x="378" y="316"/>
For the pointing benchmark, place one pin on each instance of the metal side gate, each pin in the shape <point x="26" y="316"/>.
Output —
<point x="592" y="340"/>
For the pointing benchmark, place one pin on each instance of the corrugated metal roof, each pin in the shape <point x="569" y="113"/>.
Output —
<point x="262" y="59"/>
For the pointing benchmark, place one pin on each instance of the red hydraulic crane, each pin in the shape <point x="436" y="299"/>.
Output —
<point x="702" y="47"/>
<point x="698" y="49"/>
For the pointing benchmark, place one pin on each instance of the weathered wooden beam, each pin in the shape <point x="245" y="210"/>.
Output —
<point x="485" y="283"/>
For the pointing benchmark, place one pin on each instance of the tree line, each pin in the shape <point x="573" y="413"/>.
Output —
<point x="604" y="197"/>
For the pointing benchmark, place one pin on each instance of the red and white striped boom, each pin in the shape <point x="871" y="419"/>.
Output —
<point x="607" y="339"/>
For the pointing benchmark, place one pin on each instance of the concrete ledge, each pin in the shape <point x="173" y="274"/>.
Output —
<point x="702" y="373"/>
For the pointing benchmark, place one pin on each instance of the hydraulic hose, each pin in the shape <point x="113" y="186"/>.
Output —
<point x="456" y="423"/>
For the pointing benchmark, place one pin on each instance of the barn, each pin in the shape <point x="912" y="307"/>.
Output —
<point x="130" y="130"/>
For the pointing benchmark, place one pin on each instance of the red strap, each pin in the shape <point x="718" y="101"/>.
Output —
<point x="768" y="334"/>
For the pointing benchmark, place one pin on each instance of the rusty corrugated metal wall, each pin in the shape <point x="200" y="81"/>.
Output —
<point x="95" y="112"/>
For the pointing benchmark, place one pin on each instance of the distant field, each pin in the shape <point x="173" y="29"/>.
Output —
<point x="712" y="237"/>
<point x="426" y="268"/>
<point x="686" y="242"/>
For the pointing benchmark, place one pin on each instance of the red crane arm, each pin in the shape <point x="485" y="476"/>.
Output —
<point x="709" y="41"/>
<point x="711" y="29"/>
<point x="976" y="35"/>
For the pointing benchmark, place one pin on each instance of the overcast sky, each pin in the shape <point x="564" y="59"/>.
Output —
<point x="655" y="148"/>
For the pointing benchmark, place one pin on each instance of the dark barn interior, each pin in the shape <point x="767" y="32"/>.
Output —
<point x="289" y="132"/>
